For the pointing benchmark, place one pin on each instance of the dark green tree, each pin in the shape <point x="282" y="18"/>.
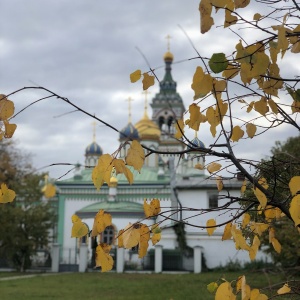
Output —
<point x="27" y="222"/>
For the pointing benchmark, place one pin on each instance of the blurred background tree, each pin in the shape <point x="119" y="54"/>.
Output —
<point x="27" y="222"/>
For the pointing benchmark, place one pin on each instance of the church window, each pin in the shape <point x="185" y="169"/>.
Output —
<point x="161" y="121"/>
<point x="170" y="122"/>
<point x="213" y="200"/>
<point x="108" y="235"/>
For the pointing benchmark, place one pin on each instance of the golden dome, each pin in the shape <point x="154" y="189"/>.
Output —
<point x="147" y="129"/>
<point x="168" y="56"/>
<point x="113" y="181"/>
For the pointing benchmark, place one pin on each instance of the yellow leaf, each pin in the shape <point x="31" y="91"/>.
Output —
<point x="227" y="232"/>
<point x="271" y="234"/>
<point x="155" y="238"/>
<point x="199" y="167"/>
<point x="207" y="21"/>
<point x="151" y="209"/>
<point x="249" y="108"/>
<point x="237" y="133"/>
<point x="202" y="83"/>
<point x="213" y="167"/>
<point x="246" y="220"/>
<point x="195" y="117"/>
<point x="102" y="171"/>
<point x="296" y="48"/>
<point x="251" y="130"/>
<point x="254" y="248"/>
<point x="241" y="3"/>
<point x="272" y="213"/>
<point x="179" y="126"/>
<point x="284" y="289"/>
<point x="148" y="81"/>
<point x="135" y="156"/>
<point x="135" y="76"/>
<point x="120" y="167"/>
<point x="244" y="186"/>
<point x="7" y="109"/>
<point x="230" y="72"/>
<point x="120" y="239"/>
<point x="79" y="229"/>
<point x="131" y="235"/>
<point x="245" y="289"/>
<point x="256" y="295"/>
<point x="283" y="42"/>
<point x="49" y="190"/>
<point x="295" y="209"/>
<point x="101" y="221"/>
<point x="219" y="183"/>
<point x="6" y="194"/>
<point x="210" y="230"/>
<point x="229" y="18"/>
<point x="276" y="245"/>
<point x="263" y="182"/>
<point x="75" y="218"/>
<point x="259" y="228"/>
<point x="273" y="106"/>
<point x="261" y="197"/>
<point x="238" y="286"/>
<point x="144" y="238"/>
<point x="221" y="109"/>
<point x="224" y="292"/>
<point x="261" y="106"/>
<point x="212" y="287"/>
<point x="256" y="17"/>
<point x="103" y="258"/>
<point x="9" y="129"/>
<point x="294" y="185"/>
<point x="261" y="64"/>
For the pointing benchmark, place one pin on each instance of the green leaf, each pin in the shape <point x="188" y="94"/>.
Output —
<point x="218" y="62"/>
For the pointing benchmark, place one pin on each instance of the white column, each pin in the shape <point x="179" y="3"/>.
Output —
<point x="55" y="258"/>
<point x="83" y="258"/>
<point x="197" y="259"/>
<point x="158" y="259"/>
<point x="120" y="260"/>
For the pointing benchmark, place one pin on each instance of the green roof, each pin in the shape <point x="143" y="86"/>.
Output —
<point x="113" y="206"/>
<point x="147" y="175"/>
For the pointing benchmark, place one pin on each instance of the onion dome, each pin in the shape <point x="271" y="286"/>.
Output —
<point x="113" y="182"/>
<point x="93" y="149"/>
<point x="168" y="56"/>
<point x="147" y="129"/>
<point x="196" y="143"/>
<point x="129" y="132"/>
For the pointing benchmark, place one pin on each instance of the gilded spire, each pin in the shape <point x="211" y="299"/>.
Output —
<point x="129" y="108"/>
<point x="168" y="55"/>
<point x="168" y="37"/>
<point x="146" y="103"/>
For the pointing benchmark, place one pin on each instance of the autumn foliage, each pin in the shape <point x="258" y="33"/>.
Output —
<point x="240" y="95"/>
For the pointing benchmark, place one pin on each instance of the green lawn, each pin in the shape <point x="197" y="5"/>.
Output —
<point x="122" y="286"/>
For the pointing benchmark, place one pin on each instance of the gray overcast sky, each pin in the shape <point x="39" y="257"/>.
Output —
<point x="85" y="51"/>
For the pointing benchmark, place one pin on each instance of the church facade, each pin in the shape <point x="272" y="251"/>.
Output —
<point x="173" y="179"/>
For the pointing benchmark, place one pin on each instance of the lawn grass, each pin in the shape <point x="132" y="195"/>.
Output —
<point x="123" y="286"/>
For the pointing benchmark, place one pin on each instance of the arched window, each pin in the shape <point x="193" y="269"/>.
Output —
<point x="161" y="121"/>
<point x="170" y="122"/>
<point x="108" y="235"/>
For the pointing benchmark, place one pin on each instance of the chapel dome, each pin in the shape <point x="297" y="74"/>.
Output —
<point x="147" y="129"/>
<point x="93" y="149"/>
<point x="168" y="56"/>
<point x="196" y="143"/>
<point x="129" y="132"/>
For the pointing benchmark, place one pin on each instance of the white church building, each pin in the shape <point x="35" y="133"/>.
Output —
<point x="185" y="193"/>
